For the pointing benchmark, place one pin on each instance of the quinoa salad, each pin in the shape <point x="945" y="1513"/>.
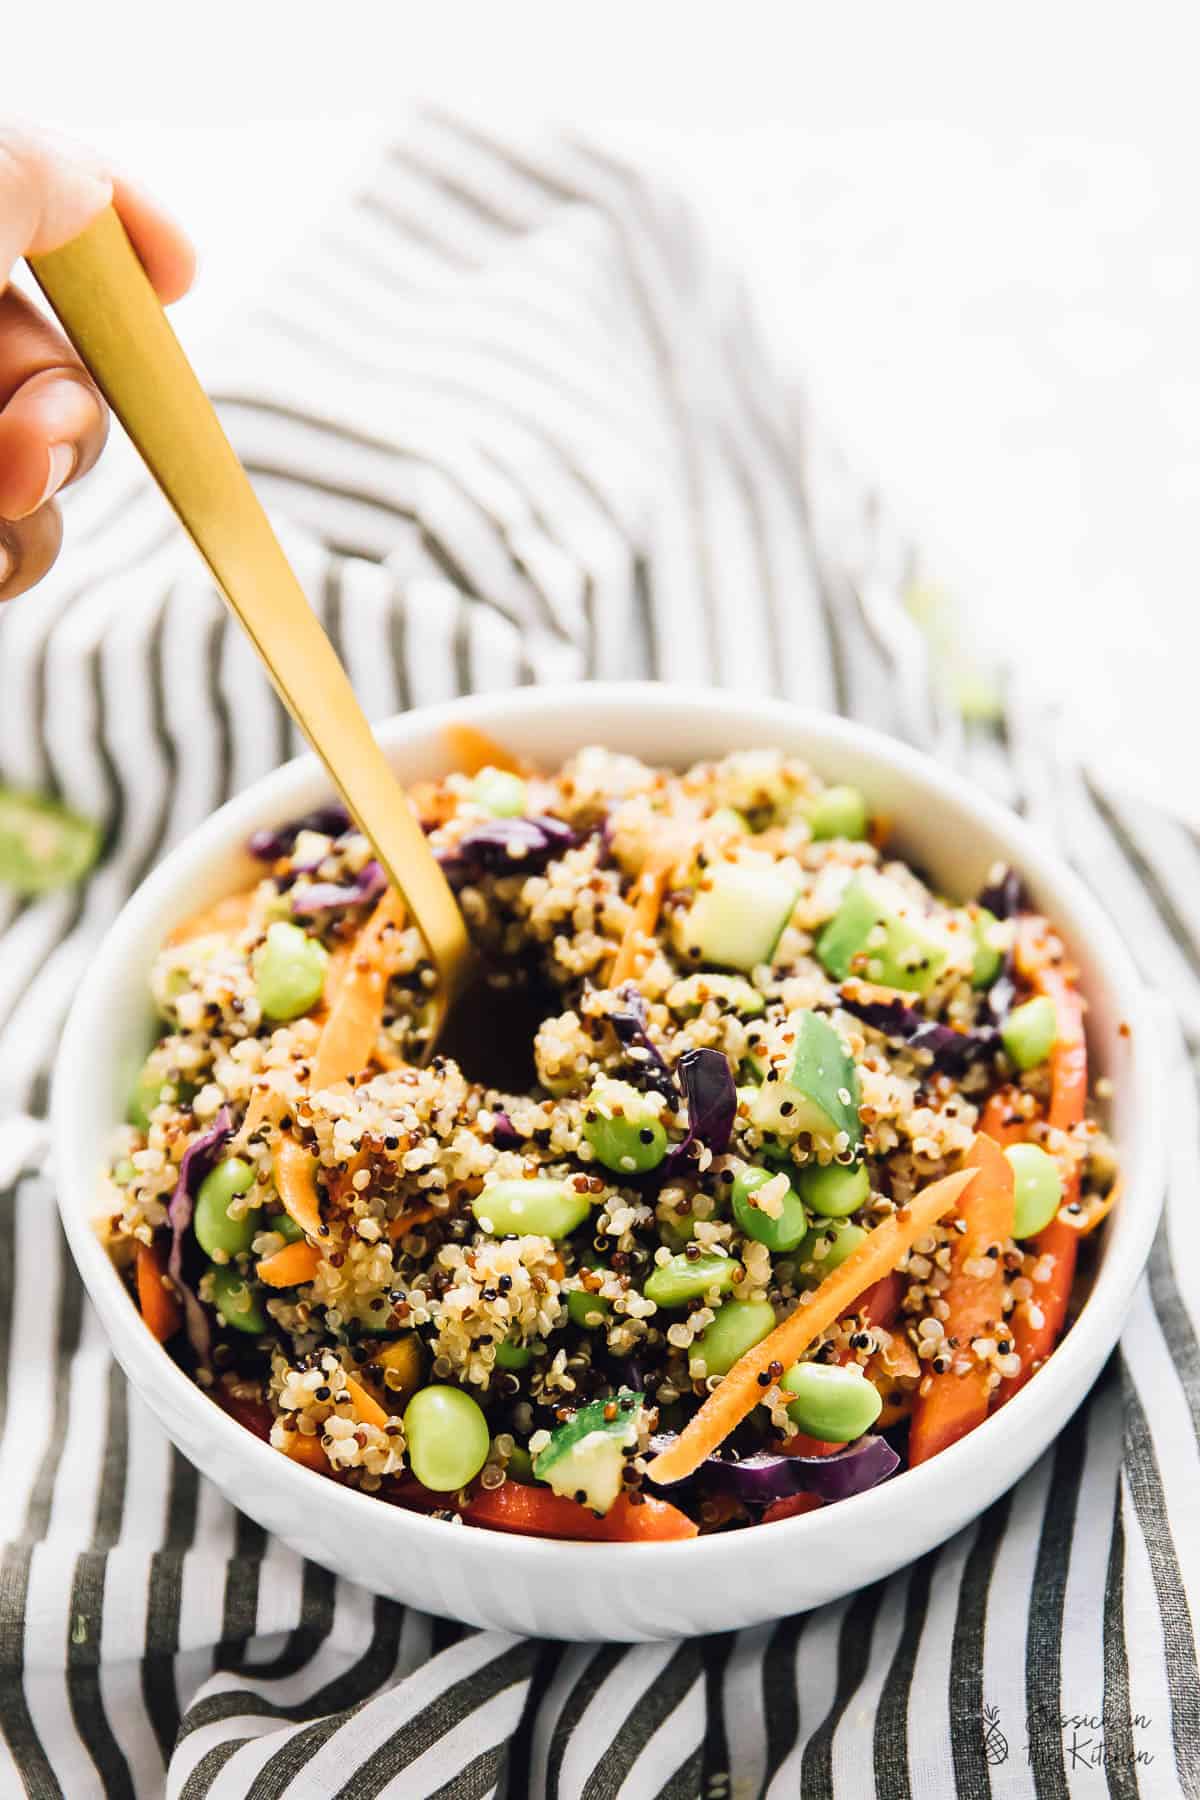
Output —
<point x="763" y="1171"/>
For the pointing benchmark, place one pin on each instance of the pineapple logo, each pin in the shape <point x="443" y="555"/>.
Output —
<point x="995" y="1744"/>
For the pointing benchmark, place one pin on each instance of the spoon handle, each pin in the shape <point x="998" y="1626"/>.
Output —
<point x="110" y="312"/>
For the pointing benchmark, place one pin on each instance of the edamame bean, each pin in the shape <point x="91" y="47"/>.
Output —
<point x="988" y="960"/>
<point x="1037" y="1188"/>
<point x="738" y="1326"/>
<point x="623" y="1128"/>
<point x="840" y="812"/>
<point x="144" y="1098"/>
<point x="834" y="1402"/>
<point x="286" y="1226"/>
<point x="501" y="792"/>
<point x="447" y="1437"/>
<point x="1029" y="1032"/>
<point x="289" y="972"/>
<point x="215" y="1230"/>
<point x="685" y="1278"/>
<point x="124" y="1172"/>
<point x="778" y="1234"/>
<point x="511" y="1355"/>
<point x="519" y="1466"/>
<point x="828" y="1245"/>
<point x="541" y="1207"/>
<point x="236" y="1300"/>
<point x="588" y="1310"/>
<point x="835" y="1190"/>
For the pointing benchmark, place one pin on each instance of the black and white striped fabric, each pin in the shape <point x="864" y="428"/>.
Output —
<point x="519" y="426"/>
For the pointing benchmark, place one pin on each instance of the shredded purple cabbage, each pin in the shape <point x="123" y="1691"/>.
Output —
<point x="504" y="846"/>
<point x="767" y="1476"/>
<point x="707" y="1081"/>
<point x="951" y="1050"/>
<point x="271" y="844"/>
<point x="1005" y="897"/>
<point x="629" y="1023"/>
<point x="504" y="1132"/>
<point x="334" y="896"/>
<point x="198" y="1159"/>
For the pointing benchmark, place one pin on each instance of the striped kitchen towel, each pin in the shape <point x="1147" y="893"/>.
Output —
<point x="520" y="426"/>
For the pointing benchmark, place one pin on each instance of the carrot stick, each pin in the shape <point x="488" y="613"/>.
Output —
<point x="950" y="1405"/>
<point x="289" y="1267"/>
<point x="472" y="750"/>
<point x="1034" y="1338"/>
<point x="158" y="1303"/>
<point x="225" y="918"/>
<point x="999" y="1120"/>
<point x="296" y="1179"/>
<point x="366" y="1409"/>
<point x="356" y="1010"/>
<point x="408" y="1221"/>
<point x="740" y="1391"/>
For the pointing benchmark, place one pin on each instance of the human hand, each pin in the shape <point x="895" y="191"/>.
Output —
<point x="53" y="422"/>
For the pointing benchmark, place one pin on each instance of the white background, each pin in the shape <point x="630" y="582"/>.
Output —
<point x="973" y="230"/>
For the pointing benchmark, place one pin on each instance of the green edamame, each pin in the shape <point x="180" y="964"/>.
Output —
<point x="673" y="1284"/>
<point x="541" y="1207"/>
<point x="511" y="1355"/>
<point x="144" y="1098"/>
<point x="738" y="1326"/>
<point x="236" y="1299"/>
<point x="502" y="793"/>
<point x="835" y="1190"/>
<point x="834" y="1402"/>
<point x="778" y="1234"/>
<point x="447" y="1436"/>
<point x="1029" y="1032"/>
<point x="828" y="1245"/>
<point x="588" y="1310"/>
<point x="1037" y="1188"/>
<point x="289" y="972"/>
<point x="623" y="1128"/>
<point x="214" y="1228"/>
<point x="519" y="1466"/>
<point x="286" y="1226"/>
<point x="840" y="812"/>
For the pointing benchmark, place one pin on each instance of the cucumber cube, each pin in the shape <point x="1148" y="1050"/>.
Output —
<point x="818" y="1092"/>
<point x="738" y="917"/>
<point x="585" y="1458"/>
<point x="906" y="957"/>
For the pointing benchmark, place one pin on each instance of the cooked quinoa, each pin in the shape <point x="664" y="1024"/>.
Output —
<point x="753" y="1033"/>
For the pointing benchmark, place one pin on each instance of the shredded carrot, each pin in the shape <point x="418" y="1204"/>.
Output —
<point x="1094" y="1212"/>
<point x="949" y="1405"/>
<point x="289" y="1267"/>
<point x="1000" y="1121"/>
<point x="1057" y="1247"/>
<point x="356" y="1011"/>
<point x="223" y="919"/>
<point x="408" y="1221"/>
<point x="650" y="890"/>
<point x="472" y="750"/>
<point x="740" y="1391"/>
<point x="308" y="1450"/>
<point x="296" y="1179"/>
<point x="158" y="1302"/>
<point x="367" y="1410"/>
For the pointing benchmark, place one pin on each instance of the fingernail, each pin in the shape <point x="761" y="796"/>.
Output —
<point x="62" y="461"/>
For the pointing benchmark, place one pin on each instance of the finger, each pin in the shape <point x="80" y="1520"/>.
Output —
<point x="27" y="550"/>
<point x="53" y="422"/>
<point x="51" y="190"/>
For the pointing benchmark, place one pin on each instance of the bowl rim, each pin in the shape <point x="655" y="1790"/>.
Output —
<point x="1095" y="1331"/>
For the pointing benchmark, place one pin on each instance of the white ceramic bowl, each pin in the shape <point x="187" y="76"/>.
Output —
<point x="597" y="1590"/>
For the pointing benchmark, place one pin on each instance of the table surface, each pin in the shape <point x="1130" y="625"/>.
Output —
<point x="980" y="252"/>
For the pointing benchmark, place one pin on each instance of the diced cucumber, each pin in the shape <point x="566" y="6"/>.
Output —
<point x="906" y="957"/>
<point x="988" y="959"/>
<point x="585" y="1458"/>
<point x="739" y="915"/>
<point x="732" y="992"/>
<point x="42" y="844"/>
<point x="838" y="812"/>
<point x="819" y="1093"/>
<point x="1030" y="1031"/>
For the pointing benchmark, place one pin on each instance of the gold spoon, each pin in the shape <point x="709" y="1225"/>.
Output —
<point x="108" y="309"/>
